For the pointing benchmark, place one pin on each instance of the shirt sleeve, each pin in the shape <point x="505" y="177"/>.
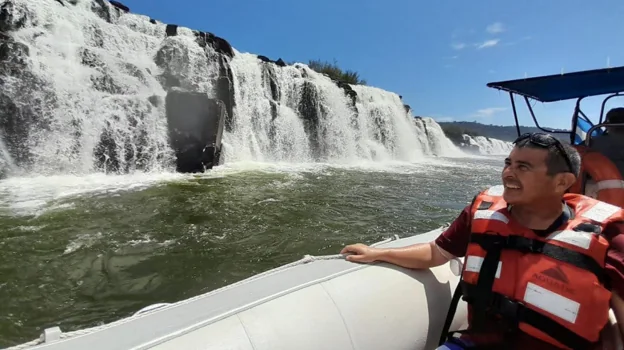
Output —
<point x="614" y="262"/>
<point x="455" y="239"/>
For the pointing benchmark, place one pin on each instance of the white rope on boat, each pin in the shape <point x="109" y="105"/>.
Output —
<point x="54" y="333"/>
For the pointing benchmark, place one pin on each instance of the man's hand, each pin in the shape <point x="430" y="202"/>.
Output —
<point x="617" y="304"/>
<point x="360" y="253"/>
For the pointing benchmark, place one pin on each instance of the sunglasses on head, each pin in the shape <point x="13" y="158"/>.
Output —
<point x="546" y="141"/>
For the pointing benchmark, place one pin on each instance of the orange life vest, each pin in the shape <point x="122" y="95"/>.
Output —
<point x="602" y="170"/>
<point x="551" y="288"/>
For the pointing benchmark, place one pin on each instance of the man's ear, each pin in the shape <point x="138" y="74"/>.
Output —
<point x="564" y="181"/>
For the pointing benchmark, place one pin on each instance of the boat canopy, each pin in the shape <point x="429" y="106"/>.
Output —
<point x="559" y="87"/>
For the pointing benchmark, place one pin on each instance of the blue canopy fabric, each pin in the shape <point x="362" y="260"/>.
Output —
<point x="561" y="87"/>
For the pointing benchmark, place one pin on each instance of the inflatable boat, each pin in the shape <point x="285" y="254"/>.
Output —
<point x="318" y="302"/>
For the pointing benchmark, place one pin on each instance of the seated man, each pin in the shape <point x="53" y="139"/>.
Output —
<point x="610" y="145"/>
<point x="533" y="248"/>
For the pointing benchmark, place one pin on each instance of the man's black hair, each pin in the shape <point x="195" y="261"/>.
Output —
<point x="555" y="161"/>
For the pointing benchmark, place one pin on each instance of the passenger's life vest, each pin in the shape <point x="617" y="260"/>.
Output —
<point x="609" y="181"/>
<point x="552" y="288"/>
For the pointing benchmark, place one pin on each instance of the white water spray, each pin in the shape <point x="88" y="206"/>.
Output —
<point x="95" y="92"/>
<point x="488" y="146"/>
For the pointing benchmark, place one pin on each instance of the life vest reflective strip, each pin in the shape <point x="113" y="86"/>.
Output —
<point x="549" y="287"/>
<point x="606" y="175"/>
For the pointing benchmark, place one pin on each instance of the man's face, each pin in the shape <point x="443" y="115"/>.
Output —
<point x="525" y="177"/>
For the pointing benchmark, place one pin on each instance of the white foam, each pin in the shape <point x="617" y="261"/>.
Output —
<point x="77" y="114"/>
<point x="30" y="195"/>
<point x="488" y="145"/>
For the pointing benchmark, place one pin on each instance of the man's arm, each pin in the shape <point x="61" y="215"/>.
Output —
<point x="615" y="270"/>
<point x="451" y="243"/>
<point x="416" y="256"/>
<point x="617" y="304"/>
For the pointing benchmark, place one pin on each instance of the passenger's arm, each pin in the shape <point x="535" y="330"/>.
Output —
<point x="417" y="256"/>
<point x="615" y="270"/>
<point x="452" y="242"/>
<point x="617" y="304"/>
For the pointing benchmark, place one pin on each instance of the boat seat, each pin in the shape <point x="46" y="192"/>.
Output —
<point x="612" y="147"/>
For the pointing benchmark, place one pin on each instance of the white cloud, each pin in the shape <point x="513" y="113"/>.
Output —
<point x="488" y="112"/>
<point x="488" y="43"/>
<point x="458" y="46"/>
<point x="496" y="27"/>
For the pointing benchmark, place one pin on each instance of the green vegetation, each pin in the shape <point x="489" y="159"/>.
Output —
<point x="335" y="72"/>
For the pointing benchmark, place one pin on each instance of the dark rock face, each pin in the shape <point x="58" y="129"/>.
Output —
<point x="195" y="128"/>
<point x="9" y="19"/>
<point x="171" y="30"/>
<point x="218" y="44"/>
<point x="120" y="6"/>
<point x="102" y="9"/>
<point x="280" y="62"/>
<point x="224" y="90"/>
<point x="21" y="101"/>
<point x="309" y="109"/>
<point x="348" y="91"/>
<point x="120" y="151"/>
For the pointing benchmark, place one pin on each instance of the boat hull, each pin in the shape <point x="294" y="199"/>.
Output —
<point x="318" y="303"/>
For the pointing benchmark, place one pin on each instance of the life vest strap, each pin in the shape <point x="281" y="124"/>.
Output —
<point x="491" y="242"/>
<point x="514" y="313"/>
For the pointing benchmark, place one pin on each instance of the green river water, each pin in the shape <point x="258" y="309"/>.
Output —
<point x="78" y="251"/>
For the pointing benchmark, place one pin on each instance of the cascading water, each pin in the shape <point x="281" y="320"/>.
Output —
<point x="487" y="146"/>
<point x="84" y="85"/>
<point x="293" y="114"/>
<point x="83" y="95"/>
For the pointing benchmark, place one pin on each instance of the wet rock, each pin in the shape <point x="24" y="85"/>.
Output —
<point x="155" y="100"/>
<point x="348" y="91"/>
<point x="270" y="79"/>
<point x="171" y="30"/>
<point x="220" y="45"/>
<point x="11" y="20"/>
<point x="224" y="91"/>
<point x="195" y="125"/>
<point x="120" y="6"/>
<point x="101" y="9"/>
<point x="310" y="110"/>
<point x="264" y="58"/>
<point x="17" y="113"/>
<point x="279" y="62"/>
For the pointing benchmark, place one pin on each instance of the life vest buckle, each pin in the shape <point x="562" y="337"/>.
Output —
<point x="508" y="309"/>
<point x="525" y="244"/>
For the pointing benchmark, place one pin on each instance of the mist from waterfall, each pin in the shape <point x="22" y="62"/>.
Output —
<point x="90" y="88"/>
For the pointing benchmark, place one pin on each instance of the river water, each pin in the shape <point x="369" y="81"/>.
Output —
<point x="80" y="251"/>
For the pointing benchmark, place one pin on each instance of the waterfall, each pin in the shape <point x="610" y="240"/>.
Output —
<point x="84" y="86"/>
<point x="486" y="145"/>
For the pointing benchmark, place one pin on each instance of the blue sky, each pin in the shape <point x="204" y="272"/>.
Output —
<point x="437" y="54"/>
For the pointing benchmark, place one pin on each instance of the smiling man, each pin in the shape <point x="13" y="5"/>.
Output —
<point x="542" y="266"/>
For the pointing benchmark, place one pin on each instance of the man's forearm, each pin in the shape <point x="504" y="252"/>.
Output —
<point x="617" y="304"/>
<point x="417" y="256"/>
